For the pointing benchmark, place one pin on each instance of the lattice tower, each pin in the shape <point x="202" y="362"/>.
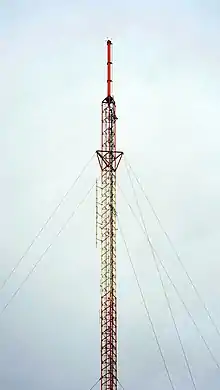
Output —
<point x="109" y="160"/>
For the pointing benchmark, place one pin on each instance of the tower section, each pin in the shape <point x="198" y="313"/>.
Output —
<point x="109" y="159"/>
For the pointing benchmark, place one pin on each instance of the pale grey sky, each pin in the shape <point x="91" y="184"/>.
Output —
<point x="167" y="90"/>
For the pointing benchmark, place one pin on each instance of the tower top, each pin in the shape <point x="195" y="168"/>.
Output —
<point x="109" y="68"/>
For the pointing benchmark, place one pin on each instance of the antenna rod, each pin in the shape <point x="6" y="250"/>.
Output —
<point x="109" y="68"/>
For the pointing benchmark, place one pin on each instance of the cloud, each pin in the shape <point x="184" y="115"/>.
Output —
<point x="166" y="85"/>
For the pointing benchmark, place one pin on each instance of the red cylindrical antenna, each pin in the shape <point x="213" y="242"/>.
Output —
<point x="109" y="68"/>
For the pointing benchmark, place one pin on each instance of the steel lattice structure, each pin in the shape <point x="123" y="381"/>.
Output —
<point x="109" y="160"/>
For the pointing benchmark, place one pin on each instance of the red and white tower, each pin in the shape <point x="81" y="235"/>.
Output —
<point x="109" y="159"/>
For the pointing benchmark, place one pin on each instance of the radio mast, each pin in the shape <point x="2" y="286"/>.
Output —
<point x="109" y="159"/>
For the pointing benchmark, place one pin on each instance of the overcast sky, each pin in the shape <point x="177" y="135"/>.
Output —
<point x="167" y="90"/>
